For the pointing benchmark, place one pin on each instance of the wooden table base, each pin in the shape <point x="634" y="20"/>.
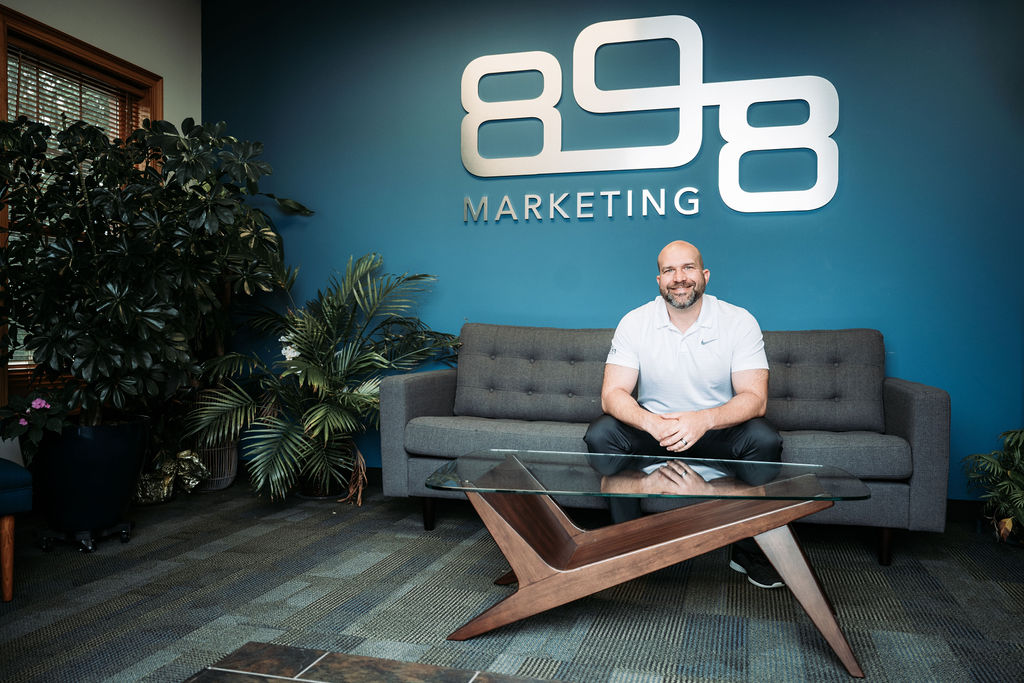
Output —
<point x="556" y="562"/>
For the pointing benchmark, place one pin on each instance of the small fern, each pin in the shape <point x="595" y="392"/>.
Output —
<point x="1000" y="477"/>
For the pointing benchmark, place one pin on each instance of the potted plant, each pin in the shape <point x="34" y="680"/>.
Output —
<point x="301" y="411"/>
<point x="29" y="418"/>
<point x="1000" y="475"/>
<point x="118" y="261"/>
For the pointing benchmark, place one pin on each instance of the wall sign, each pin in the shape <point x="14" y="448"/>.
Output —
<point x="688" y="98"/>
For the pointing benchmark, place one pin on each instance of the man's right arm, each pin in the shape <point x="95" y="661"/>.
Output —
<point x="617" y="400"/>
<point x="617" y="397"/>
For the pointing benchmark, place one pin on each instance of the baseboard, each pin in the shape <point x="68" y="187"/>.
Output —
<point x="964" y="510"/>
<point x="374" y="476"/>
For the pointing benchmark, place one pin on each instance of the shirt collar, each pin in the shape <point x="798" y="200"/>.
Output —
<point x="707" y="320"/>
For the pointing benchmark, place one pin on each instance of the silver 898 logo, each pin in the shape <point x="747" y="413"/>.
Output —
<point x="688" y="98"/>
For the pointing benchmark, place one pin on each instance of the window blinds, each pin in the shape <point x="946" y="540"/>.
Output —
<point x="54" y="94"/>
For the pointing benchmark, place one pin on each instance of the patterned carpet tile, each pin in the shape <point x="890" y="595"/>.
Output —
<point x="211" y="577"/>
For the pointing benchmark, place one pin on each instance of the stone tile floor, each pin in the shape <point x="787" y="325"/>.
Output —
<point x="268" y="662"/>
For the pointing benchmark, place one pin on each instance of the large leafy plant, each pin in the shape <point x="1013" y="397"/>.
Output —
<point x="301" y="411"/>
<point x="1000" y="476"/>
<point x="121" y="257"/>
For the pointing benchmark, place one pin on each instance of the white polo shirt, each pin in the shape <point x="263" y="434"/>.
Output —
<point x="691" y="371"/>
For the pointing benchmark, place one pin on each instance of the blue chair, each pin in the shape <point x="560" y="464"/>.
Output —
<point x="15" y="496"/>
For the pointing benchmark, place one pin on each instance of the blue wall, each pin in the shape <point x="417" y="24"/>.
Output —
<point x="360" y="114"/>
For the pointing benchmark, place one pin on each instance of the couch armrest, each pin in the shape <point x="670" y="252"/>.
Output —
<point x="920" y="414"/>
<point x="403" y="397"/>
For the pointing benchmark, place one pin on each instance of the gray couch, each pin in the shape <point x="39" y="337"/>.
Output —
<point x="538" y="388"/>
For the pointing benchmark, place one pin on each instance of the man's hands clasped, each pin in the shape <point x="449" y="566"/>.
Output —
<point x="677" y="432"/>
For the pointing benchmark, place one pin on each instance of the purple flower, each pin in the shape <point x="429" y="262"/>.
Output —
<point x="39" y="404"/>
<point x="23" y="422"/>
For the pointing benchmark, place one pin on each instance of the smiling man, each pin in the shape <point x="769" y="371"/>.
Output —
<point x="686" y="375"/>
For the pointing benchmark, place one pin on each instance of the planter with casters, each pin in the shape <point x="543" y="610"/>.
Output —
<point x="85" y="479"/>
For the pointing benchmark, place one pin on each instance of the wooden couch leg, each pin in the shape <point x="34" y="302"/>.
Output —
<point x="7" y="557"/>
<point x="429" y="511"/>
<point x="885" y="546"/>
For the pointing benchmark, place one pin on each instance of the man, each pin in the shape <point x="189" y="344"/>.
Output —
<point x="701" y="378"/>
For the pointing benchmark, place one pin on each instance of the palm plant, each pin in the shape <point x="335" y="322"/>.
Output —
<point x="301" y="412"/>
<point x="1001" y="475"/>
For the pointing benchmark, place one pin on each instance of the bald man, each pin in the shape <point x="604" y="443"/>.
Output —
<point x="686" y="375"/>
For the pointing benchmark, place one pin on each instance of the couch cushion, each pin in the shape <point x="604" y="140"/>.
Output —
<point x="531" y="373"/>
<point x="826" y="379"/>
<point x="867" y="455"/>
<point x="454" y="436"/>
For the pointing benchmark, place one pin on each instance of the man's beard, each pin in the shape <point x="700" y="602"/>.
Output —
<point x="682" y="304"/>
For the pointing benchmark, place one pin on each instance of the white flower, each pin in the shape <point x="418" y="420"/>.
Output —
<point x="290" y="353"/>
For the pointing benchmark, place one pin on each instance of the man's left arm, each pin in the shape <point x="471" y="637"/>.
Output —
<point x="750" y="400"/>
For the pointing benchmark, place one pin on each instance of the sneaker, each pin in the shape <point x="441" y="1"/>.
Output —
<point x="758" y="569"/>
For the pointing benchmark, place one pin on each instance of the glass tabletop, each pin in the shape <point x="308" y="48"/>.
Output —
<point x="570" y="474"/>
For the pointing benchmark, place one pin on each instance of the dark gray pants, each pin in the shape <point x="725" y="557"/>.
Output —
<point x="754" y="440"/>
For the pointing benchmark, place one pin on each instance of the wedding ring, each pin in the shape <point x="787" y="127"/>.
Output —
<point x="684" y="442"/>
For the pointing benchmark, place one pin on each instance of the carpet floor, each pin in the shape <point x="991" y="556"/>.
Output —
<point x="207" y="573"/>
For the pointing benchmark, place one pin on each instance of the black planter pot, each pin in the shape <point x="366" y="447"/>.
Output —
<point x="306" y="490"/>
<point x="85" y="478"/>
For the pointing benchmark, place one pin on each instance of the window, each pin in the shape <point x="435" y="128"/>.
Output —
<point x="51" y="93"/>
<point x="51" y="77"/>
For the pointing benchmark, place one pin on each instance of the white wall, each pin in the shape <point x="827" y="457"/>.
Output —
<point x="162" y="37"/>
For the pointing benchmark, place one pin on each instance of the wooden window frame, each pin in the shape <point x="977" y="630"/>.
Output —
<point x="58" y="47"/>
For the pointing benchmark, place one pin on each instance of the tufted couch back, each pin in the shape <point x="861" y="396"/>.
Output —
<point x="531" y="373"/>
<point x="820" y="380"/>
<point x="826" y="380"/>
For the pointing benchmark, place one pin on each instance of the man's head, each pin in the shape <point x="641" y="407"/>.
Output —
<point x="682" y="277"/>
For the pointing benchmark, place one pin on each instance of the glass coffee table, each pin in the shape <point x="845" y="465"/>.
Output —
<point x="555" y="562"/>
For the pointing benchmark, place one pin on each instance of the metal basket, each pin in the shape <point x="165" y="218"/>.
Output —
<point x="222" y="461"/>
